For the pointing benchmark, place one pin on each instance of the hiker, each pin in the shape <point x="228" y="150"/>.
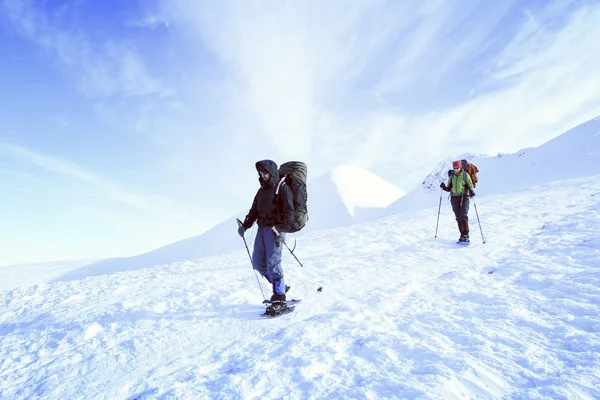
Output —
<point x="273" y="207"/>
<point x="460" y="185"/>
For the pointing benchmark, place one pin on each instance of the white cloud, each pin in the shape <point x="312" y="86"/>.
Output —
<point x="284" y="57"/>
<point x="101" y="69"/>
<point x="310" y="75"/>
<point x="150" y="20"/>
<point x="552" y="83"/>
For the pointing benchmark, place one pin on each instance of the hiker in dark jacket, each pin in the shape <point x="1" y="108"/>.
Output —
<point x="273" y="207"/>
<point x="461" y="188"/>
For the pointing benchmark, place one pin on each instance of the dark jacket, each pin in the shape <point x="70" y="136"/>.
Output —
<point x="268" y="208"/>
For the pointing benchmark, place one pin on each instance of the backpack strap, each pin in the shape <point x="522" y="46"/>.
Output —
<point x="281" y="183"/>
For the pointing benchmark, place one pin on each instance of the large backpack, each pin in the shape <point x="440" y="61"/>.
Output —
<point x="293" y="174"/>
<point x="470" y="169"/>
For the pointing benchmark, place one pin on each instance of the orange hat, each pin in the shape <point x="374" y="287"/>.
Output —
<point x="456" y="164"/>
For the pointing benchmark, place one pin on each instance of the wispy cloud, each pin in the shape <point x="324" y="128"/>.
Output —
<point x="413" y="81"/>
<point x="374" y="83"/>
<point x="93" y="183"/>
<point x="286" y="57"/>
<point x="549" y="82"/>
<point x="102" y="69"/>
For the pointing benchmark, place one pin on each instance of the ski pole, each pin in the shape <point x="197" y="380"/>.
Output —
<point x="438" y="217"/>
<point x="478" y="221"/>
<point x="292" y="253"/>
<point x="249" y="256"/>
<point x="286" y="245"/>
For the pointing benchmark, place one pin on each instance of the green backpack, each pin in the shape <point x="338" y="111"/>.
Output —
<point x="293" y="174"/>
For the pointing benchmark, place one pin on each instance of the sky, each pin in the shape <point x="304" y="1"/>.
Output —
<point x="125" y="126"/>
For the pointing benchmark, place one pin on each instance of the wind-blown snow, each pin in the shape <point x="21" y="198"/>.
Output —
<point x="360" y="188"/>
<point x="22" y="275"/>
<point x="401" y="315"/>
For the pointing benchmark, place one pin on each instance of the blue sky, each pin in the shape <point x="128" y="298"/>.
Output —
<point x="127" y="125"/>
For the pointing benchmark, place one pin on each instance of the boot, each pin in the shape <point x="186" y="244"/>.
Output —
<point x="279" y="290"/>
<point x="466" y="231"/>
<point x="461" y="229"/>
<point x="278" y="297"/>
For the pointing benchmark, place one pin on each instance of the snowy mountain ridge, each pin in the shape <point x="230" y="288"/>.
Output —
<point x="334" y="200"/>
<point x="338" y="199"/>
<point x="575" y="153"/>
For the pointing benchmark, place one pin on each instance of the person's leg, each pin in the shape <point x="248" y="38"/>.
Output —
<point x="464" y="217"/>
<point x="259" y="253"/>
<point x="273" y="248"/>
<point x="456" y="204"/>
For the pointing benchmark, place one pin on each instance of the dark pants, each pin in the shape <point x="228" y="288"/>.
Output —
<point x="460" y="206"/>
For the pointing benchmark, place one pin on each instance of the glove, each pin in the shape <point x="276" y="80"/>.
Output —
<point x="443" y="185"/>
<point x="277" y="236"/>
<point x="471" y="193"/>
<point x="241" y="230"/>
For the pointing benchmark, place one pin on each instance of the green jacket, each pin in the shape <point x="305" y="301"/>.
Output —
<point x="456" y="183"/>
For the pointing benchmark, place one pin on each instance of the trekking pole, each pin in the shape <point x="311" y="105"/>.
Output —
<point x="438" y="217"/>
<point x="479" y="222"/>
<point x="286" y="245"/>
<point x="249" y="256"/>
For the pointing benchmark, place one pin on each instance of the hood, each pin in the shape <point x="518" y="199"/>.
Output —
<point x="272" y="168"/>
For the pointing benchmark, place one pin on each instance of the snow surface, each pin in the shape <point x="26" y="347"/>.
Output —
<point x="401" y="315"/>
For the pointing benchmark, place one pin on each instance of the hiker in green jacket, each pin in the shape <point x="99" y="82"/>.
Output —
<point x="461" y="188"/>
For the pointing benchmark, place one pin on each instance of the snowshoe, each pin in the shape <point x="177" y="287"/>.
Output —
<point x="291" y="302"/>
<point x="277" y="308"/>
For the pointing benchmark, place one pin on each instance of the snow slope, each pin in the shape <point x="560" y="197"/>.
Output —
<point x="575" y="153"/>
<point x="334" y="199"/>
<point x="348" y="195"/>
<point x="401" y="315"/>
<point x="22" y="275"/>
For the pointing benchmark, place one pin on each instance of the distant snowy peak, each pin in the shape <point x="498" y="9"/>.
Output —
<point x="440" y="172"/>
<point x="360" y="188"/>
<point x="573" y="154"/>
<point x="584" y="137"/>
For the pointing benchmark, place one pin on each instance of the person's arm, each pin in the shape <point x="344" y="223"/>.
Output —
<point x="252" y="214"/>
<point x="447" y="187"/>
